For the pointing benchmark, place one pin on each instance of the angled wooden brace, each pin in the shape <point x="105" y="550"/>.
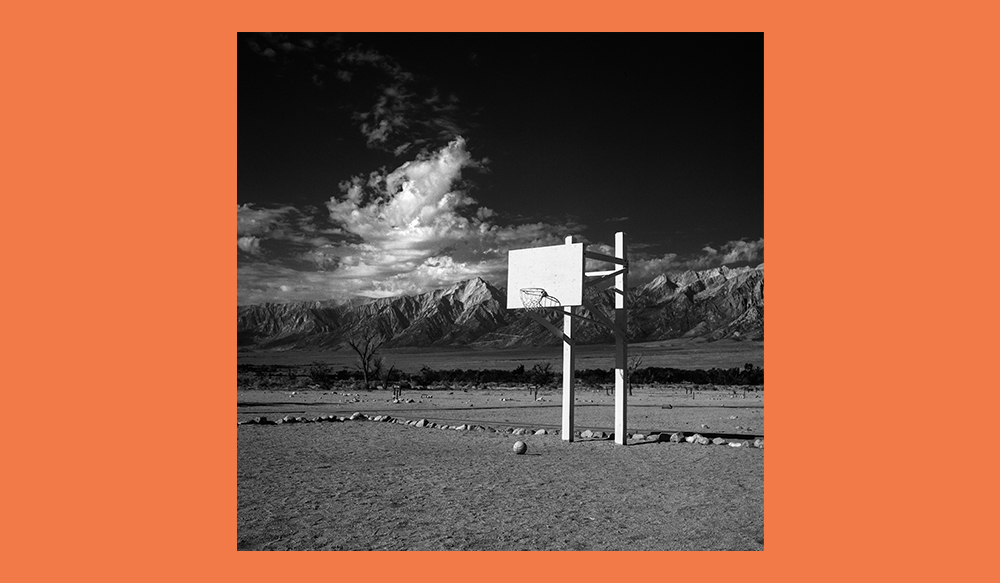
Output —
<point x="605" y="278"/>
<point x="607" y="258"/>
<point x="602" y="319"/>
<point x="549" y="326"/>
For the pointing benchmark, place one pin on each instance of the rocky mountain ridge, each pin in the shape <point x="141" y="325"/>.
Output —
<point x="713" y="304"/>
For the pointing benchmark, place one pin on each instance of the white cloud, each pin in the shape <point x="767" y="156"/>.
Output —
<point x="260" y="222"/>
<point x="401" y="112"/>
<point x="401" y="232"/>
<point x="739" y="251"/>
<point x="736" y="251"/>
<point x="249" y="244"/>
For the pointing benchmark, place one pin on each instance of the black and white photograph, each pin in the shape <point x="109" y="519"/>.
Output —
<point x="500" y="291"/>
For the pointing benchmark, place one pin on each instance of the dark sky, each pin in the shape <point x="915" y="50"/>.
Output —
<point x="523" y="137"/>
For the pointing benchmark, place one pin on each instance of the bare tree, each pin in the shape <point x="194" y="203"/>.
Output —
<point x="634" y="362"/>
<point x="385" y="375"/>
<point x="541" y="374"/>
<point x="368" y="364"/>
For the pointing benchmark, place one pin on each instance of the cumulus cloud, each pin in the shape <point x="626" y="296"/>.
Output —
<point x="643" y="269"/>
<point x="404" y="112"/>
<point x="249" y="244"/>
<point x="420" y="229"/>
<point x="396" y="110"/>
<point x="736" y="251"/>
<point x="258" y="222"/>
<point x="395" y="232"/>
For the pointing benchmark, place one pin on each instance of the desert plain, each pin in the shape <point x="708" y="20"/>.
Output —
<point x="455" y="483"/>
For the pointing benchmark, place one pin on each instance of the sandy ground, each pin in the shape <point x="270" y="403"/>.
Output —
<point x="366" y="485"/>
<point x="719" y="410"/>
<point x="384" y="486"/>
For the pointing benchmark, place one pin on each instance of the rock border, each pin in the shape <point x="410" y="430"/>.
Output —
<point x="587" y="434"/>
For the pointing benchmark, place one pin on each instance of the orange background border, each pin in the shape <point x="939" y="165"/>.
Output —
<point x="120" y="156"/>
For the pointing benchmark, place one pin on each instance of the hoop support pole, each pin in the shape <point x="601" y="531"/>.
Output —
<point x="621" y="344"/>
<point x="569" y="371"/>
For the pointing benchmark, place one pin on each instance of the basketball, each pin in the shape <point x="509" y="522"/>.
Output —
<point x="520" y="447"/>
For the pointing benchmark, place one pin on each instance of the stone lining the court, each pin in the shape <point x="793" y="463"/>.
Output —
<point x="595" y="435"/>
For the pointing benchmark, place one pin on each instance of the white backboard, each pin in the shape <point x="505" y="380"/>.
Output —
<point x="558" y="269"/>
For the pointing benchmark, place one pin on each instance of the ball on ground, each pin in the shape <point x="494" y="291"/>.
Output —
<point x="520" y="447"/>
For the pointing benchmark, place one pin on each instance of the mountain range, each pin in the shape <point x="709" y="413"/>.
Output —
<point x="711" y="304"/>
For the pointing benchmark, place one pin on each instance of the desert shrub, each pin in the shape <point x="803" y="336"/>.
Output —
<point x="748" y="375"/>
<point x="541" y="374"/>
<point x="264" y="377"/>
<point x="321" y="374"/>
<point x="426" y="377"/>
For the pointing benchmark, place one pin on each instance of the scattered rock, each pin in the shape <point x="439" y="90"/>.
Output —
<point x="667" y="407"/>
<point x="676" y="437"/>
<point x="540" y="432"/>
<point x="719" y="441"/>
<point x="759" y="442"/>
<point x="691" y="438"/>
<point x="518" y="431"/>
<point x="735" y="444"/>
<point x="701" y="440"/>
<point x="703" y="426"/>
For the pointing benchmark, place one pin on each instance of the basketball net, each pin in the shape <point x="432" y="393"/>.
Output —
<point x="535" y="299"/>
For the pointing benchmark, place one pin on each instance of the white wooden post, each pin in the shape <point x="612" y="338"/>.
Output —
<point x="569" y="369"/>
<point x="621" y="345"/>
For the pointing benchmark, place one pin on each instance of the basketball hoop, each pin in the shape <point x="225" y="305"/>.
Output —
<point x="536" y="275"/>
<point x="535" y="299"/>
